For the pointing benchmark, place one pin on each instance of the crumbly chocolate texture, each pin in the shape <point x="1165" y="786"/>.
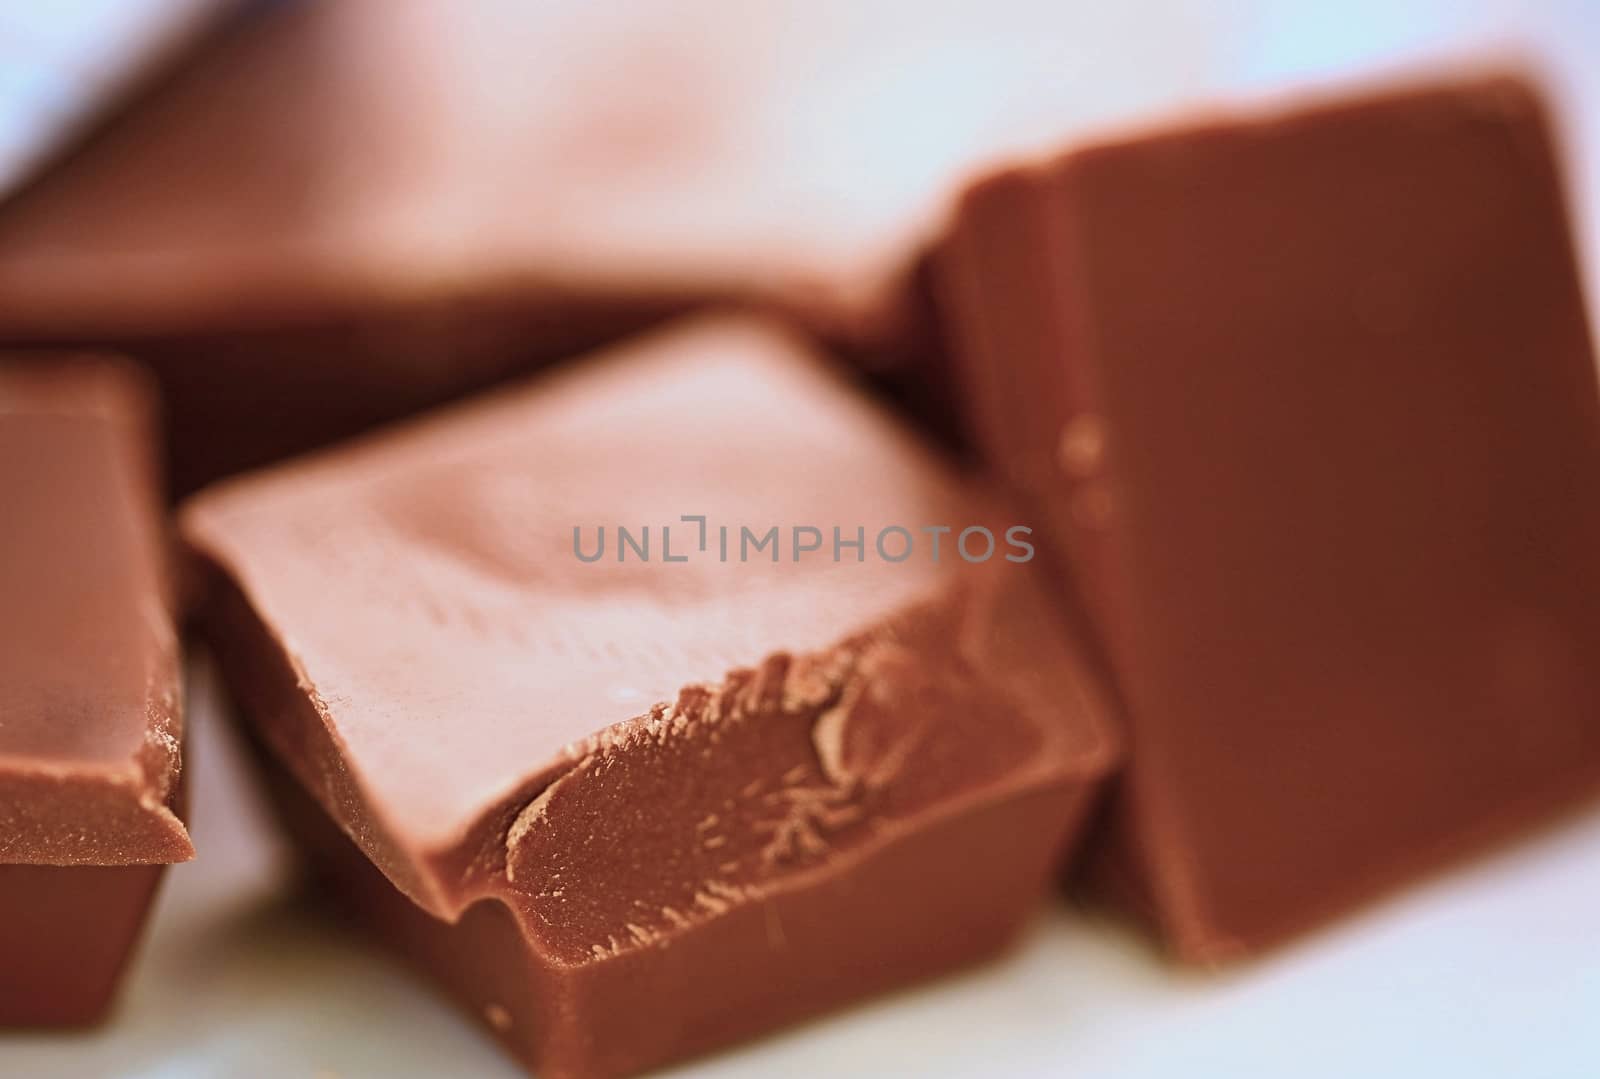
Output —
<point x="1306" y="407"/>
<point x="630" y="811"/>
<point x="90" y="689"/>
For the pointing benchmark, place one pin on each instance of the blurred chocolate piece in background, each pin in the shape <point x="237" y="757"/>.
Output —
<point x="343" y="212"/>
<point x="629" y="810"/>
<point x="90" y="697"/>
<point x="1306" y="404"/>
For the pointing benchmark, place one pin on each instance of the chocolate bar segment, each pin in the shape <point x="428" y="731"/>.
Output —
<point x="630" y="808"/>
<point x="1306" y="406"/>
<point x="420" y="214"/>
<point x="90" y="687"/>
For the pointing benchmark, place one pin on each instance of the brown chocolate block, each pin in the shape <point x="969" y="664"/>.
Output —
<point x="89" y="686"/>
<point x="344" y="213"/>
<point x="1307" y="404"/>
<point x="631" y="810"/>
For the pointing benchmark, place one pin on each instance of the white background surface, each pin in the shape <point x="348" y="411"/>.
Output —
<point x="1493" y="970"/>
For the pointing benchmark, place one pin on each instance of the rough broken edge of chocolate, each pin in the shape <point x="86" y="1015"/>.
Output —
<point x="567" y="1022"/>
<point x="859" y="868"/>
<point x="297" y="724"/>
<point x="61" y="813"/>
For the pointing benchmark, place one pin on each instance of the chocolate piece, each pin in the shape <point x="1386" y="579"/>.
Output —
<point x="419" y="211"/>
<point x="90" y="706"/>
<point x="630" y="810"/>
<point x="1308" y="405"/>
<point x="401" y="232"/>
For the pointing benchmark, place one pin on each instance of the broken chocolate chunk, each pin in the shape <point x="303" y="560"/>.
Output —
<point x="633" y="807"/>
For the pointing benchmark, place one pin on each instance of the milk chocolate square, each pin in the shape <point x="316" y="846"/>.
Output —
<point x="1306" y="405"/>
